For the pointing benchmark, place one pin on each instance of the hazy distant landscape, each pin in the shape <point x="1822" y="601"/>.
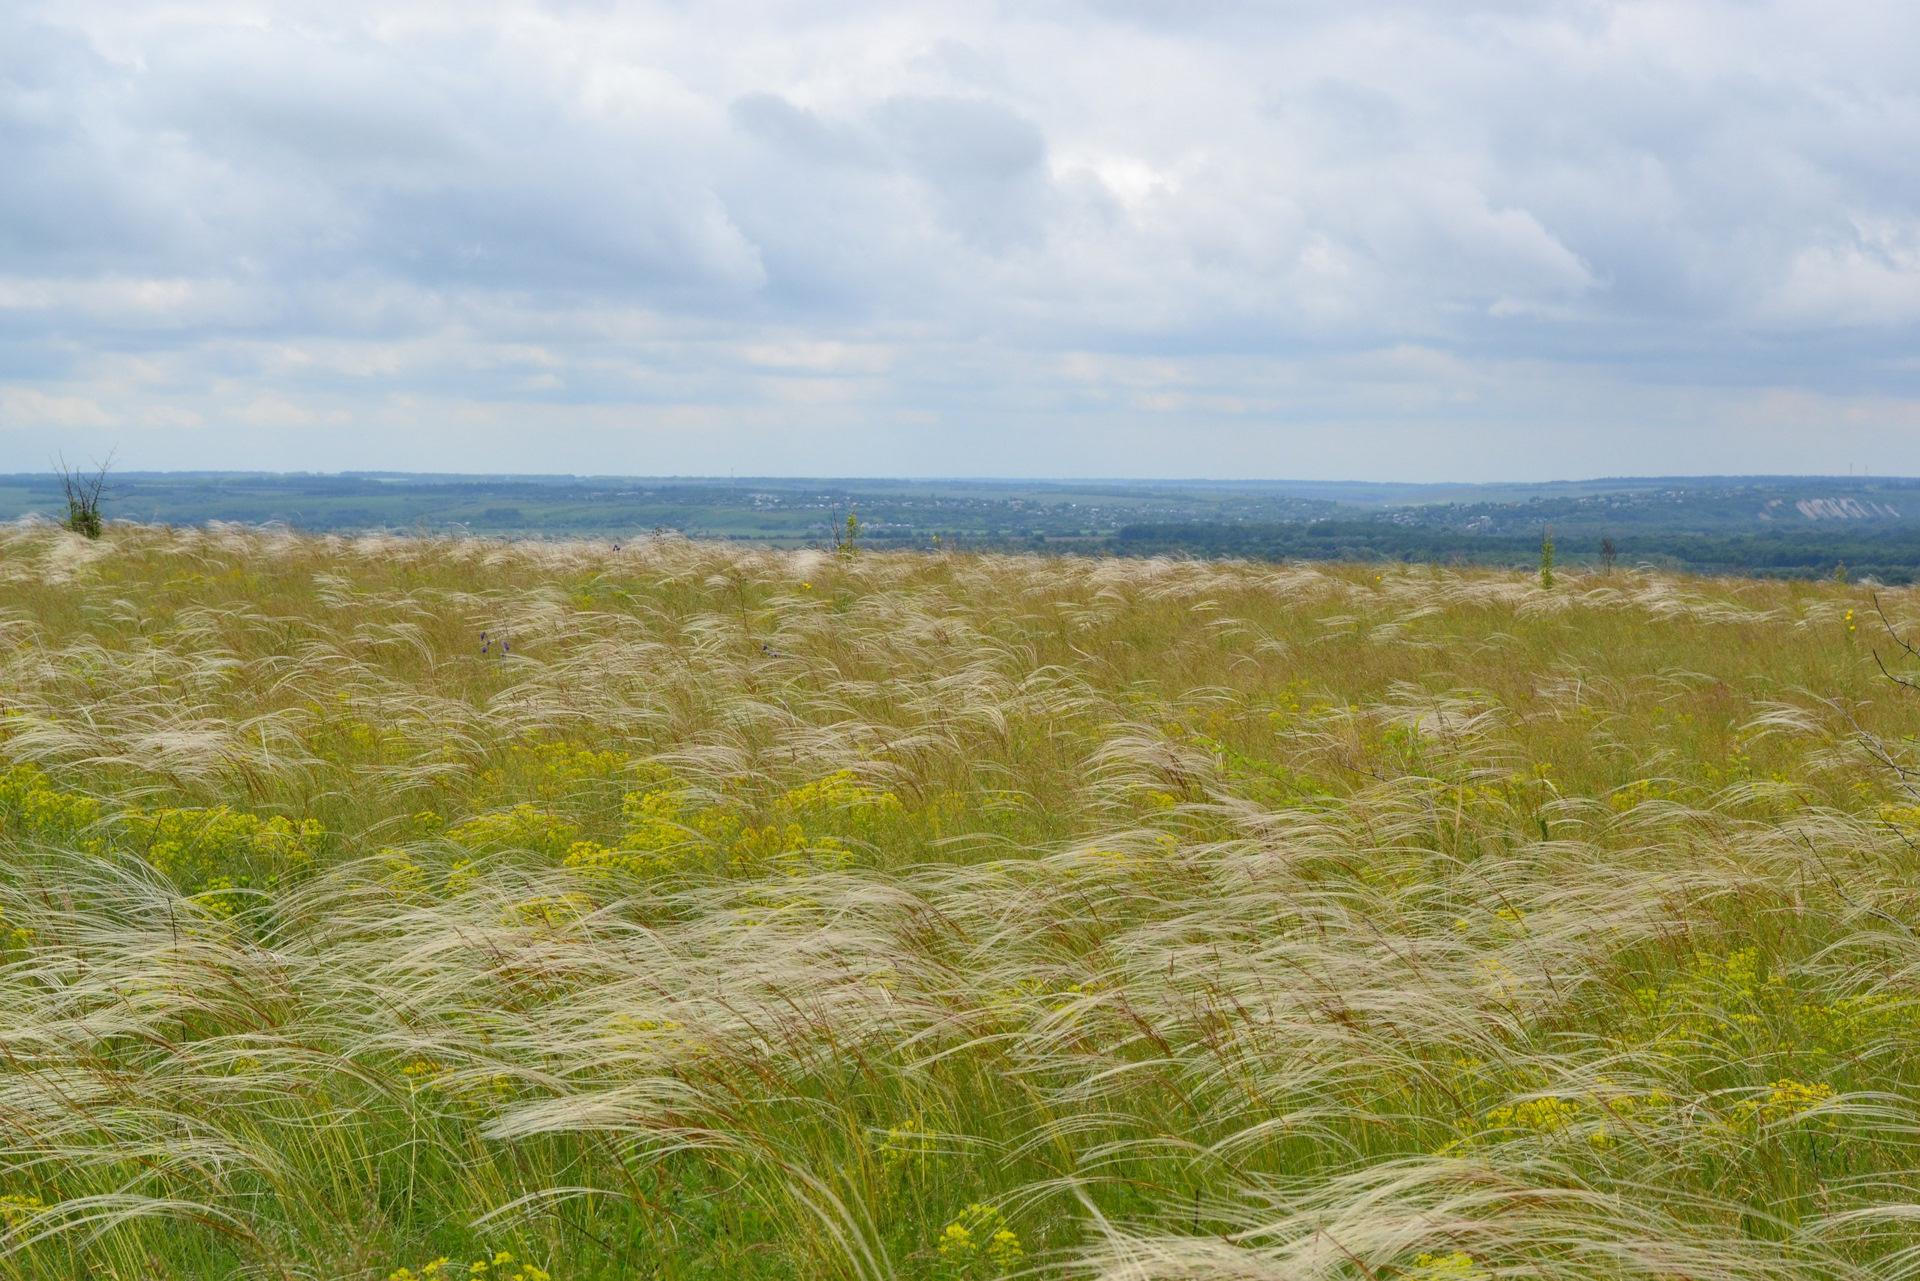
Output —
<point x="1770" y="526"/>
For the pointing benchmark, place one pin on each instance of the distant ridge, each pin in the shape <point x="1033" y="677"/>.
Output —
<point x="1773" y="525"/>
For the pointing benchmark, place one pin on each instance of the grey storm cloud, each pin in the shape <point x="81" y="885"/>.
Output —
<point x="1306" y="237"/>
<point x="982" y="163"/>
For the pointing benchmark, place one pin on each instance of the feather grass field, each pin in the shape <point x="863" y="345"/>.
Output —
<point x="399" y="908"/>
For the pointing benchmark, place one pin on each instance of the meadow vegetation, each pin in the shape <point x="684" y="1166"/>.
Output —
<point x="427" y="908"/>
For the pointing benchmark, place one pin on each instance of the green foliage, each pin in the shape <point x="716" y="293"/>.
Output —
<point x="848" y="543"/>
<point x="83" y="495"/>
<point x="83" y="519"/>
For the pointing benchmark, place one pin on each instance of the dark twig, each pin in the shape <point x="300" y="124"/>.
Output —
<point x="1899" y="640"/>
<point x="1847" y="898"/>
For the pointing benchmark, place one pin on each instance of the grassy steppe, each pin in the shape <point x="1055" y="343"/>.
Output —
<point x="734" y="913"/>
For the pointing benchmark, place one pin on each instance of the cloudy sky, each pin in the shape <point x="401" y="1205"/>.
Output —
<point x="1454" y="239"/>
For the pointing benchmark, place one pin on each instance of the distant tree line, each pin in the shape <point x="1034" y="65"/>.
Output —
<point x="1889" y="554"/>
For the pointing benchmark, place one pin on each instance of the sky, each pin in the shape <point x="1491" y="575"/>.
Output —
<point x="1447" y="240"/>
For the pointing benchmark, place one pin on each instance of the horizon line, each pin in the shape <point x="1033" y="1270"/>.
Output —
<point x="363" y="473"/>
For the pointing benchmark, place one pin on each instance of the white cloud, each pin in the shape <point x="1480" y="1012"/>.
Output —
<point x="25" y="404"/>
<point x="1868" y="279"/>
<point x="1243" y="222"/>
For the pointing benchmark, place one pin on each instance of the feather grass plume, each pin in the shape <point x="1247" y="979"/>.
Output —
<point x="731" y="912"/>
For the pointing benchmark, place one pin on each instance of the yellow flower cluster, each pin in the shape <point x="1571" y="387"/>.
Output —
<point x="220" y="848"/>
<point x="493" y="1268"/>
<point x="1548" y="1115"/>
<point x="18" y="937"/>
<point x="219" y="898"/>
<point x="626" y="1023"/>
<point x="980" y="1238"/>
<point x="663" y="830"/>
<point x="554" y="771"/>
<point x="907" y="1146"/>
<point x="1903" y="819"/>
<point x="404" y="876"/>
<point x="357" y="738"/>
<point x="16" y="1209"/>
<point x="655" y="819"/>
<point x="31" y="805"/>
<point x="840" y="792"/>
<point x="810" y="819"/>
<point x="524" y="827"/>
<point x="546" y="912"/>
<point x="1717" y="1001"/>
<point x="658" y="1036"/>
<point x="1457" y="1265"/>
<point x="424" y="1074"/>
<point x="1784" y="1101"/>
<point x="1596" y="1116"/>
<point x="1853" y="1024"/>
<point x="666" y="829"/>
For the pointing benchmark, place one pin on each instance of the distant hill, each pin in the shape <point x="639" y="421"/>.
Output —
<point x="1796" y="526"/>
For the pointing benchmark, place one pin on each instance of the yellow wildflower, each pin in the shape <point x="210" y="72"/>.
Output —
<point x="960" y="1240"/>
<point x="906" y="1144"/>
<point x="16" y="1209"/>
<point x="1455" y="1266"/>
<point x="1785" y="1100"/>
<point x="956" y="1242"/>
